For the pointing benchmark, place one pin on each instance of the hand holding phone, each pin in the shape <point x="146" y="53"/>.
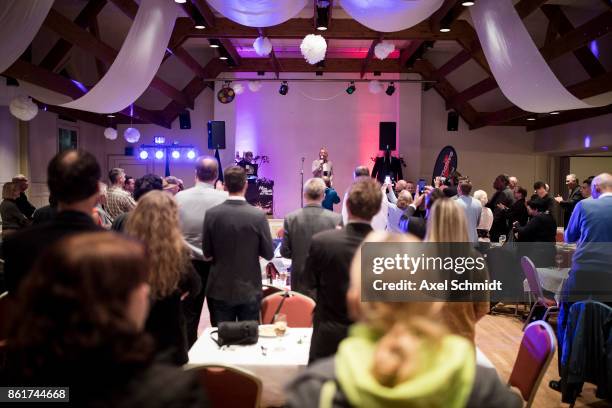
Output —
<point x="387" y="180"/>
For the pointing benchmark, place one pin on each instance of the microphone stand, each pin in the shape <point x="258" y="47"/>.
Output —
<point x="302" y="184"/>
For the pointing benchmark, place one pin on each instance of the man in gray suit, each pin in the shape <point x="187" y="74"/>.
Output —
<point x="301" y="225"/>
<point x="236" y="234"/>
<point x="471" y="207"/>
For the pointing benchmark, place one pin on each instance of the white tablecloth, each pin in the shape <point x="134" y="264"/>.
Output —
<point x="551" y="279"/>
<point x="284" y="358"/>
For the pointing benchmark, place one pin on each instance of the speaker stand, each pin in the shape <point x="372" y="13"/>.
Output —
<point x="302" y="184"/>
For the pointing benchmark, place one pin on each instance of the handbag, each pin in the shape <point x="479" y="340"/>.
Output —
<point x="237" y="333"/>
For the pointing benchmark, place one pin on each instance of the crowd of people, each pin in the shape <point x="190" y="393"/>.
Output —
<point x="115" y="313"/>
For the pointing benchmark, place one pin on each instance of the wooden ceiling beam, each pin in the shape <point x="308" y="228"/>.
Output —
<point x="275" y="63"/>
<point x="331" y="65"/>
<point x="525" y="7"/>
<point x="22" y="70"/>
<point x="370" y="55"/>
<point x="409" y="51"/>
<point x="316" y="13"/>
<point x="60" y="50"/>
<point x="568" y="116"/>
<point x="95" y="31"/>
<point x="448" y="12"/>
<point x="474" y="91"/>
<point x="455" y="62"/>
<point x="84" y="40"/>
<point x="589" y="62"/>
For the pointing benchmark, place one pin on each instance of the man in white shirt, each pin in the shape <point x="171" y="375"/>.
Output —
<point x="379" y="222"/>
<point x="471" y="207"/>
<point x="193" y="204"/>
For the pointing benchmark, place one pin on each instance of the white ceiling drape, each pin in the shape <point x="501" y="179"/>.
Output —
<point x="20" y="20"/>
<point x="523" y="75"/>
<point x="390" y="15"/>
<point x="258" y="13"/>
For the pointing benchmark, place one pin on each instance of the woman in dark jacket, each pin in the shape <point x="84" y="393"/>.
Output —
<point x="540" y="228"/>
<point x="12" y="218"/>
<point x="78" y="323"/>
<point x="155" y="222"/>
<point x="517" y="212"/>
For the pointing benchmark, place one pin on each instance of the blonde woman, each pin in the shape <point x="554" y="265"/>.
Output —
<point x="486" y="217"/>
<point x="155" y="222"/>
<point x="12" y="218"/>
<point x="398" y="355"/>
<point x="447" y="223"/>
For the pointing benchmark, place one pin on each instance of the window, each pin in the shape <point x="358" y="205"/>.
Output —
<point x="67" y="139"/>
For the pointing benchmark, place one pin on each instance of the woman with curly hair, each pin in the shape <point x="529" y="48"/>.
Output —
<point x="155" y="222"/>
<point x="78" y="323"/>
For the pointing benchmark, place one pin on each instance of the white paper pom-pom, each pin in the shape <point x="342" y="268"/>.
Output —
<point x="238" y="88"/>
<point x="375" y="86"/>
<point x="110" y="133"/>
<point x="313" y="48"/>
<point x="255" y="86"/>
<point x="131" y="135"/>
<point x="383" y="49"/>
<point x="262" y="46"/>
<point x="23" y="108"/>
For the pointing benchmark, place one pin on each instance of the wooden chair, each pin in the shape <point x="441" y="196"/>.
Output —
<point x="228" y="386"/>
<point x="550" y="305"/>
<point x="296" y="306"/>
<point x="535" y="353"/>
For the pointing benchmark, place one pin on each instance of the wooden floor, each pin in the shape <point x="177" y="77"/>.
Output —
<point x="499" y="336"/>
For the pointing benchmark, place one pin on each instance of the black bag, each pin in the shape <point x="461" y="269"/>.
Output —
<point x="238" y="333"/>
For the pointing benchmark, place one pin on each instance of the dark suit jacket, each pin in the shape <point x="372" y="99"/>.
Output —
<point x="299" y="228"/>
<point x="568" y="205"/>
<point x="500" y="224"/>
<point x="517" y="212"/>
<point x="327" y="271"/>
<point x="383" y="167"/>
<point x="22" y="249"/>
<point x="414" y="225"/>
<point x="24" y="205"/>
<point x="541" y="228"/>
<point x="235" y="235"/>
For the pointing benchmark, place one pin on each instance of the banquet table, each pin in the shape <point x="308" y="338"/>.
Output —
<point x="551" y="279"/>
<point x="276" y="361"/>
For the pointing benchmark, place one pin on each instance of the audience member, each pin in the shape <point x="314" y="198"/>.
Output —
<point x="118" y="200"/>
<point x="129" y="184"/>
<point x="45" y="213"/>
<point x="540" y="228"/>
<point x="573" y="196"/>
<point x="331" y="196"/>
<point x="503" y="195"/>
<point x="12" y="218"/>
<point x="585" y="188"/>
<point x="72" y="177"/>
<point x="517" y="212"/>
<point x="417" y="225"/>
<point x="327" y="267"/>
<point x="234" y="285"/>
<point x="411" y="187"/>
<point x="78" y="323"/>
<point x="143" y="185"/>
<point x="396" y="207"/>
<point x="486" y="216"/>
<point x="193" y="204"/>
<point x="155" y="222"/>
<point x="22" y="201"/>
<point x="513" y="183"/>
<point x="541" y="189"/>
<point x="172" y="185"/>
<point x="300" y="226"/>
<point x="379" y="222"/>
<point x="470" y="206"/>
<point x="399" y="355"/>
<point x="393" y="193"/>
<point x="100" y="215"/>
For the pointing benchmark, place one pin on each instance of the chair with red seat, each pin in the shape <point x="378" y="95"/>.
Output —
<point x="535" y="353"/>
<point x="550" y="305"/>
<point x="296" y="306"/>
<point x="228" y="386"/>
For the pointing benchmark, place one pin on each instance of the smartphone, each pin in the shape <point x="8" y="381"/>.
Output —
<point x="421" y="186"/>
<point x="388" y="180"/>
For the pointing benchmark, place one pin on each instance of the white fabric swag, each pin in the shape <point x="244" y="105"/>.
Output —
<point x="390" y="15"/>
<point x="258" y="13"/>
<point x="523" y="75"/>
<point x="137" y="62"/>
<point x="20" y="20"/>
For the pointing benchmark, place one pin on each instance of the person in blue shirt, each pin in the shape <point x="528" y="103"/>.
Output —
<point x="331" y="196"/>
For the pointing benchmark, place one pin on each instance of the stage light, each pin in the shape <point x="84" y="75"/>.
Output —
<point x="159" y="140"/>
<point x="444" y="29"/>
<point x="223" y="57"/>
<point x="351" y="88"/>
<point x="144" y="155"/>
<point x="159" y="154"/>
<point x="176" y="154"/>
<point x="191" y="155"/>
<point x="284" y="88"/>
<point x="467" y="3"/>
<point x="390" y="89"/>
<point x="322" y="17"/>
<point x="180" y="1"/>
<point x="200" y="26"/>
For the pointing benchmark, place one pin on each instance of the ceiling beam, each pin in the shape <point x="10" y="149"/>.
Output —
<point x="22" y="70"/>
<point x="470" y="42"/>
<point x="448" y="12"/>
<point x="409" y="51"/>
<point x="84" y="40"/>
<point x="60" y="50"/>
<point x="474" y="91"/>
<point x="331" y="65"/>
<point x="298" y="28"/>
<point x="589" y="62"/>
<point x="525" y="7"/>
<point x="275" y="63"/>
<point x="455" y="62"/>
<point x="370" y="55"/>
<point x="95" y="31"/>
<point x="569" y="116"/>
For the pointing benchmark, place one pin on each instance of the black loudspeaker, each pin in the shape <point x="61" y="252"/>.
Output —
<point x="129" y="151"/>
<point x="452" y="125"/>
<point x="386" y="135"/>
<point x="185" y="120"/>
<point x="216" y="134"/>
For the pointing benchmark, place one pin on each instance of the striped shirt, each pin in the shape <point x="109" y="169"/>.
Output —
<point x="118" y="201"/>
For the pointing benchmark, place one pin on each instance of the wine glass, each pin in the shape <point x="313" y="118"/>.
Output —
<point x="283" y="278"/>
<point x="502" y="239"/>
<point x="559" y="261"/>
<point x="280" y="324"/>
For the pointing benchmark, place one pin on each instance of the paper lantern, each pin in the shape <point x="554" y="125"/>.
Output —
<point x="313" y="48"/>
<point x="383" y="49"/>
<point x="238" y="88"/>
<point x="375" y="86"/>
<point x="255" y="86"/>
<point x="23" y="108"/>
<point x="110" y="133"/>
<point x="131" y="135"/>
<point x="262" y="46"/>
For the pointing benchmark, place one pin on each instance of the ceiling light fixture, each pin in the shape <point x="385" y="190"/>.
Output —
<point x="284" y="88"/>
<point x="200" y="26"/>
<point x="322" y="18"/>
<point x="351" y="88"/>
<point x="390" y="89"/>
<point x="180" y="1"/>
<point x="110" y="115"/>
<point x="214" y="43"/>
<point x="223" y="57"/>
<point x="554" y="113"/>
<point x="531" y="118"/>
<point x="467" y="3"/>
<point x="445" y="29"/>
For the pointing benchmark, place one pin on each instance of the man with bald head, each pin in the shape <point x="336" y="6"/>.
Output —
<point x="72" y="178"/>
<point x="193" y="204"/>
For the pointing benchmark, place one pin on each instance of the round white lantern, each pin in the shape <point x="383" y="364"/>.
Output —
<point x="131" y="135"/>
<point x="383" y="49"/>
<point x="110" y="133"/>
<point x="255" y="86"/>
<point x="238" y="88"/>
<point x="262" y="46"/>
<point x="23" y="108"/>
<point x="313" y="48"/>
<point x="375" y="86"/>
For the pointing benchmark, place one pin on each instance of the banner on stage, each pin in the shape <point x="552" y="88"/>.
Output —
<point x="446" y="163"/>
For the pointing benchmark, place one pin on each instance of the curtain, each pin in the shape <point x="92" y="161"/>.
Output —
<point x="258" y="13"/>
<point x="390" y="15"/>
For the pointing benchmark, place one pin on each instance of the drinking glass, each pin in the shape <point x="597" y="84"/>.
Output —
<point x="280" y="324"/>
<point x="559" y="260"/>
<point x="502" y="239"/>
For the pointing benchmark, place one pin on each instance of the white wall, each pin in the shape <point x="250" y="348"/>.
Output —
<point x="9" y="145"/>
<point x="584" y="167"/>
<point x="572" y="137"/>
